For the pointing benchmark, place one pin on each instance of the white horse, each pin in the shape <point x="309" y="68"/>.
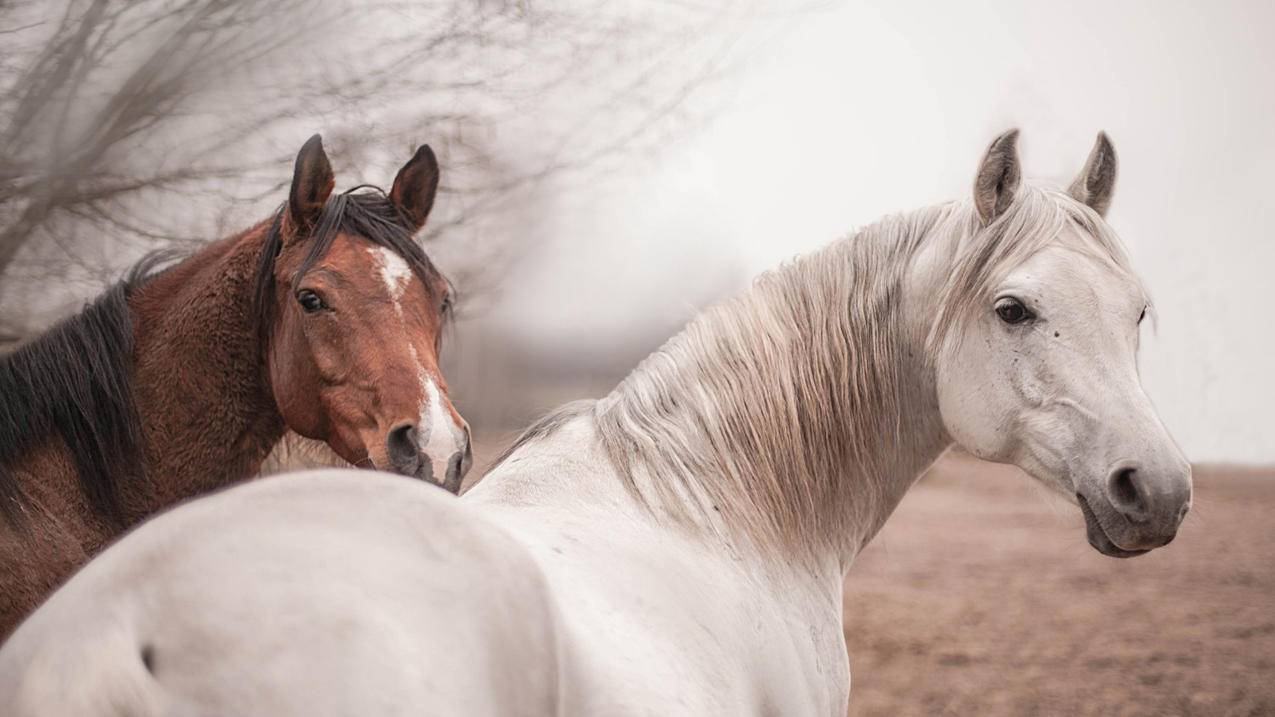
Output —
<point x="677" y="547"/>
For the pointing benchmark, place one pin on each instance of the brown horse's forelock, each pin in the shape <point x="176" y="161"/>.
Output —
<point x="75" y="381"/>
<point x="363" y="211"/>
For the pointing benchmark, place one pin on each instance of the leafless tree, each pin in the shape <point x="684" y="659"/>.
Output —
<point x="129" y="124"/>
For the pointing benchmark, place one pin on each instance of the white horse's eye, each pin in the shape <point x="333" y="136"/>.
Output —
<point x="1012" y="311"/>
<point x="1143" y="315"/>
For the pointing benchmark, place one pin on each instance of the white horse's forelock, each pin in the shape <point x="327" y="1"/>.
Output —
<point x="778" y="414"/>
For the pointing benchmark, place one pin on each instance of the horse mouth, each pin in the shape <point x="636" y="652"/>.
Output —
<point x="449" y="482"/>
<point x="1098" y="537"/>
<point x="451" y="485"/>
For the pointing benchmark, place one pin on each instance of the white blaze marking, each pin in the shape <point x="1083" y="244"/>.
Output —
<point x="436" y="422"/>
<point x="394" y="271"/>
<point x="442" y="443"/>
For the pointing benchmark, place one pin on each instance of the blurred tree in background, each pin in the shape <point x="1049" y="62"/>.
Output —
<point x="131" y="125"/>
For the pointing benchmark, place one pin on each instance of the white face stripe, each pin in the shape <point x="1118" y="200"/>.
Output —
<point x="441" y="437"/>
<point x="394" y="272"/>
<point x="442" y="442"/>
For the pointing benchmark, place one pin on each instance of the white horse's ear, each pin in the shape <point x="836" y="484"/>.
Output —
<point x="1097" y="181"/>
<point x="998" y="177"/>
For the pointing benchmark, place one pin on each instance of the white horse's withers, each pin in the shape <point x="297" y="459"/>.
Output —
<point x="679" y="546"/>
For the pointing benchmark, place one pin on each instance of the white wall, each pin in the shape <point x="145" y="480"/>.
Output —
<point x="871" y="108"/>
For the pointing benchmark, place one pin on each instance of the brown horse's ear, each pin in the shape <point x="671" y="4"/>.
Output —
<point x="998" y="177"/>
<point x="312" y="184"/>
<point x="1097" y="181"/>
<point x="415" y="186"/>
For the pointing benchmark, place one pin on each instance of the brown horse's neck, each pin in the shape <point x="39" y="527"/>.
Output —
<point x="201" y="383"/>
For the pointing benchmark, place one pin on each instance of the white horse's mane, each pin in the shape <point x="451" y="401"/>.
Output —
<point x="780" y="410"/>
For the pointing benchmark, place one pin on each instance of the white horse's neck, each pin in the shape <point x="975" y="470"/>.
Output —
<point x="797" y="415"/>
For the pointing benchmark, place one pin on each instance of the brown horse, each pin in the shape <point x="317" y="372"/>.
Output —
<point x="325" y="319"/>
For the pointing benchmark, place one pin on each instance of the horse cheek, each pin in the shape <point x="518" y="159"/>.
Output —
<point x="296" y="386"/>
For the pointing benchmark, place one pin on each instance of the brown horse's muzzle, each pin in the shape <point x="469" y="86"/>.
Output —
<point x="413" y="450"/>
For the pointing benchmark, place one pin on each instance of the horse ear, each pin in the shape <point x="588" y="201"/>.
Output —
<point x="415" y="186"/>
<point x="998" y="177"/>
<point x="312" y="184"/>
<point x="1097" y="181"/>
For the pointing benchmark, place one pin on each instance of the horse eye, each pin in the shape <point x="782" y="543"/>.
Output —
<point x="1143" y="315"/>
<point x="1012" y="311"/>
<point x="446" y="306"/>
<point x="310" y="301"/>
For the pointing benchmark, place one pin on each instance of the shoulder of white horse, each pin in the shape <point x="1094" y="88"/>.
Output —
<point x="341" y="584"/>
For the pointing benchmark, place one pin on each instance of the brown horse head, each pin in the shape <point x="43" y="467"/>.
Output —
<point x="354" y="313"/>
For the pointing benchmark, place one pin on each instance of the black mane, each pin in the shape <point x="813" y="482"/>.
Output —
<point x="76" y="381"/>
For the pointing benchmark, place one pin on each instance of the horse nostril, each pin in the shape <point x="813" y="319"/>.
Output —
<point x="1186" y="507"/>
<point x="403" y="449"/>
<point x="1122" y="489"/>
<point x="458" y="464"/>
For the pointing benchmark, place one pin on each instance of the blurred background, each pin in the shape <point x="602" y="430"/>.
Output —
<point x="609" y="168"/>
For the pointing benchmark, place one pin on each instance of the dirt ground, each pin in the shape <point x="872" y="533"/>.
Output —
<point x="981" y="597"/>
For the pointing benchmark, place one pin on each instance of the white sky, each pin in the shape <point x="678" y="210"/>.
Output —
<point x="872" y="108"/>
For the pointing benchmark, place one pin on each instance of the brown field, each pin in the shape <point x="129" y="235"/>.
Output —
<point x="981" y="597"/>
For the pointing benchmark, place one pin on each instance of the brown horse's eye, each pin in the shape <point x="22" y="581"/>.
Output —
<point x="445" y="307"/>
<point x="310" y="301"/>
<point x="1012" y="311"/>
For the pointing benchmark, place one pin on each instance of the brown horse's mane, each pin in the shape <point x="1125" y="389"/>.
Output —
<point x="76" y="380"/>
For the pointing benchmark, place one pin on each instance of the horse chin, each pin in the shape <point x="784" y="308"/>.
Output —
<point x="425" y="473"/>
<point x="1098" y="537"/>
<point x="451" y="486"/>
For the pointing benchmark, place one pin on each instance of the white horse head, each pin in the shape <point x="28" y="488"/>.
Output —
<point x="1041" y="367"/>
<point x="1008" y="324"/>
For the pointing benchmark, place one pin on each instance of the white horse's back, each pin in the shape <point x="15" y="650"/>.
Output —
<point x="331" y="592"/>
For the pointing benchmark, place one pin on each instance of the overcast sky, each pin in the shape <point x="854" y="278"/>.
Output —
<point x="872" y="108"/>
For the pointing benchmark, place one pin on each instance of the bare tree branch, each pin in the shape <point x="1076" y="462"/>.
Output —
<point x="144" y="123"/>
